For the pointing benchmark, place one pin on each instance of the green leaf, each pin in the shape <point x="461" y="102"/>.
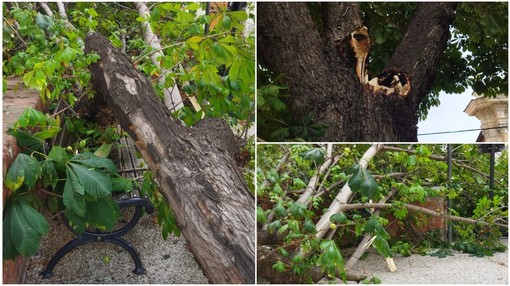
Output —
<point x="90" y="160"/>
<point x="95" y="183"/>
<point x="282" y="229"/>
<point x="50" y="175"/>
<point x="372" y="225"/>
<point x="316" y="155"/>
<point x="122" y="184"/>
<point x="235" y="70"/>
<point x="103" y="213"/>
<point x="35" y="220"/>
<point x="226" y="22"/>
<point x="194" y="39"/>
<point x="9" y="251"/>
<point x="297" y="209"/>
<point x="362" y="180"/>
<point x="261" y="215"/>
<point x="297" y="184"/>
<point x="279" y="210"/>
<point x="382" y="246"/>
<point x="240" y="16"/>
<point x="25" y="239"/>
<point x="76" y="222"/>
<point x="279" y="266"/>
<point x="24" y="170"/>
<point x="103" y="151"/>
<point x="26" y="140"/>
<point x="218" y="51"/>
<point x="44" y="22"/>
<point x="73" y="196"/>
<point x="369" y="187"/>
<point x="68" y="55"/>
<point x="330" y="259"/>
<point x="339" y="218"/>
<point x="309" y="226"/>
<point x="58" y="154"/>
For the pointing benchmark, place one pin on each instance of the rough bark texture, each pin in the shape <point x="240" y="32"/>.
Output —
<point x="194" y="167"/>
<point x="320" y="69"/>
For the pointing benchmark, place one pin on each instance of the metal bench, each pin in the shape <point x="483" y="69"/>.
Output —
<point x="128" y="163"/>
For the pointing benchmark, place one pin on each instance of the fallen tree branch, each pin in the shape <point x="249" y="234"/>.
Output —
<point x="306" y="197"/>
<point x="349" y="207"/>
<point x="344" y="195"/>
<point x="173" y="99"/>
<point x="363" y="246"/>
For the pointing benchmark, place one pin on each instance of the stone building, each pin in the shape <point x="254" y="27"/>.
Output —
<point x="493" y="115"/>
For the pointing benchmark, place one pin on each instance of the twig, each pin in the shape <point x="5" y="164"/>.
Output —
<point x="15" y="31"/>
<point x="50" y="193"/>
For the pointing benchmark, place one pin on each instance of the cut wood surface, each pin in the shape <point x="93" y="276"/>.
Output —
<point x="194" y="167"/>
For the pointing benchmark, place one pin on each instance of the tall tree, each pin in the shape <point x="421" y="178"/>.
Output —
<point x="309" y="44"/>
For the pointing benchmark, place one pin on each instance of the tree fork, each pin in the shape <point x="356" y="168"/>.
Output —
<point x="194" y="167"/>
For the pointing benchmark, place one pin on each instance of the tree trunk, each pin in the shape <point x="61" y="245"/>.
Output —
<point x="320" y="67"/>
<point x="194" y="167"/>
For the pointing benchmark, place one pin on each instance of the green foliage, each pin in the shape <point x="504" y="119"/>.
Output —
<point x="316" y="155"/>
<point x="402" y="248"/>
<point x="330" y="259"/>
<point x="23" y="228"/>
<point x="166" y="217"/>
<point x="363" y="182"/>
<point x="279" y="266"/>
<point x="274" y="122"/>
<point x="50" y="59"/>
<point x="415" y="172"/>
<point x="81" y="184"/>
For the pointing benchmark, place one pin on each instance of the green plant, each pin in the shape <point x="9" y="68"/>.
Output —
<point x="412" y="172"/>
<point x="80" y="183"/>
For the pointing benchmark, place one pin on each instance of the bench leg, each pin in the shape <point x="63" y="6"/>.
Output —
<point x="139" y="270"/>
<point x="48" y="273"/>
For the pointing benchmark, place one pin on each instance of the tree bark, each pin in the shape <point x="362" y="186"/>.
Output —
<point x="194" y="167"/>
<point x="320" y="68"/>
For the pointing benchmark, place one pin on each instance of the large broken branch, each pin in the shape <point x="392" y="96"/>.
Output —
<point x="344" y="195"/>
<point x="364" y="244"/>
<point x="194" y="167"/>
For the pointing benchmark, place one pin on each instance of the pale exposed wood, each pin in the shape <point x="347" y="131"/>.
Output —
<point x="344" y="195"/>
<point x="194" y="167"/>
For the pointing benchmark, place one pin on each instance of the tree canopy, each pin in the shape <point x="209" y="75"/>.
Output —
<point x="47" y="52"/>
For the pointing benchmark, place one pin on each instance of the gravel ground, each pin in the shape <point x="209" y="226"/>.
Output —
<point x="166" y="262"/>
<point x="457" y="269"/>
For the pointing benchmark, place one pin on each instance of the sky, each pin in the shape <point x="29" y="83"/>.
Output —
<point x="450" y="116"/>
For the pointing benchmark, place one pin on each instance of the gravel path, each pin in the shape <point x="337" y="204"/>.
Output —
<point x="166" y="262"/>
<point x="457" y="269"/>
